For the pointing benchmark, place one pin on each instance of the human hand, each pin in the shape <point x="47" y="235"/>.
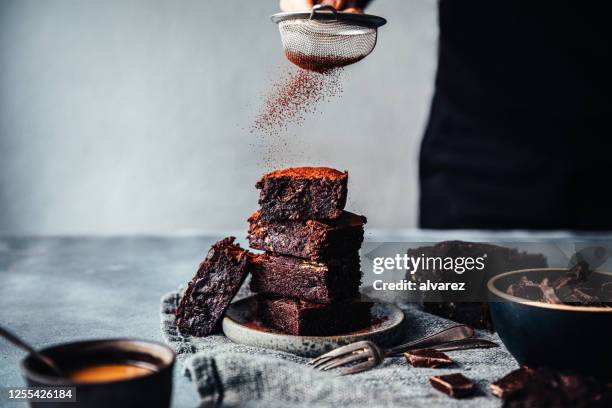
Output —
<point x="301" y="5"/>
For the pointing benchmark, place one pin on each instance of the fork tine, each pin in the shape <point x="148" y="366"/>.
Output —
<point x="326" y="360"/>
<point x="357" y="368"/>
<point x="337" y="362"/>
<point x="349" y="348"/>
<point x="339" y="352"/>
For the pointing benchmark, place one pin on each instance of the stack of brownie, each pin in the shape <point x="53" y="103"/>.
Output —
<point x="309" y="276"/>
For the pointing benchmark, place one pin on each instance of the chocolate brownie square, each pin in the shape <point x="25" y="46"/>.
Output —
<point x="301" y="318"/>
<point x="320" y="282"/>
<point x="498" y="259"/>
<point x="310" y="239"/>
<point x="212" y="289"/>
<point x="302" y="193"/>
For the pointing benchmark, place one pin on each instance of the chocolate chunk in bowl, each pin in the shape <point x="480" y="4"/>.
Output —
<point x="548" y="333"/>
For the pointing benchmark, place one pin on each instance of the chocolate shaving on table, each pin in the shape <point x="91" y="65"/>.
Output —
<point x="429" y="358"/>
<point x="454" y="385"/>
<point x="512" y="383"/>
<point x="544" y="387"/>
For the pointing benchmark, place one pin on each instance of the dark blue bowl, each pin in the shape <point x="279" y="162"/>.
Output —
<point x="577" y="338"/>
<point x="151" y="390"/>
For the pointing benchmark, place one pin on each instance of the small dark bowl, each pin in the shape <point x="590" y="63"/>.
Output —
<point x="149" y="390"/>
<point x="566" y="337"/>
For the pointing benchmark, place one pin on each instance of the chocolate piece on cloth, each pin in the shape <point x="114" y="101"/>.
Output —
<point x="543" y="387"/>
<point x="454" y="385"/>
<point x="321" y="282"/>
<point x="310" y="239"/>
<point x="302" y="193"/>
<point x="301" y="318"/>
<point x="469" y="309"/>
<point x="512" y="383"/>
<point x="212" y="289"/>
<point x="429" y="358"/>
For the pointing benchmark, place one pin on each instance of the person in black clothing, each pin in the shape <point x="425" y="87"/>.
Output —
<point x="520" y="129"/>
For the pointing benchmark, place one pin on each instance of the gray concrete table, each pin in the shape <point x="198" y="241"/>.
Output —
<point x="54" y="290"/>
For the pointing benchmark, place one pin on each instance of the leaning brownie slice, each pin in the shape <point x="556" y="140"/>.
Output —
<point x="212" y="289"/>
<point x="302" y="193"/>
<point x="301" y="318"/>
<point x="321" y="282"/>
<point x="310" y="239"/>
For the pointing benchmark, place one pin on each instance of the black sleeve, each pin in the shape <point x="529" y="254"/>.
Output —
<point x="363" y="3"/>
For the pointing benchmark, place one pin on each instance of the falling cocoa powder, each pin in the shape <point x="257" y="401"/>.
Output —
<point x="295" y="95"/>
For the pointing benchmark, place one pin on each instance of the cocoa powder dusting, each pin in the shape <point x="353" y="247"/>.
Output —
<point x="322" y="64"/>
<point x="295" y="95"/>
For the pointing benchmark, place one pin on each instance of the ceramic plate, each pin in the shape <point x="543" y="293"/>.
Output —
<point x="240" y="326"/>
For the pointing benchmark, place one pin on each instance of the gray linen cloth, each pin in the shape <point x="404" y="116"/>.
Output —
<point x="234" y="374"/>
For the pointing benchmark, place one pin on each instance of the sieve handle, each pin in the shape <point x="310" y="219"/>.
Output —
<point x="319" y="7"/>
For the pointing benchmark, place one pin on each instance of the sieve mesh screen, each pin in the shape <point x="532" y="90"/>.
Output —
<point x="320" y="45"/>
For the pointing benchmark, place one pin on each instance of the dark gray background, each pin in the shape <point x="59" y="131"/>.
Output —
<point x="124" y="116"/>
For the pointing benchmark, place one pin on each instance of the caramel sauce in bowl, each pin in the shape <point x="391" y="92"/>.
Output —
<point x="107" y="373"/>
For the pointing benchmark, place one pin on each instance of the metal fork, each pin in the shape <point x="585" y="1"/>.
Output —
<point x="367" y="355"/>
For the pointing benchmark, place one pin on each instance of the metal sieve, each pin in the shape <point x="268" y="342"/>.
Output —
<point x="325" y="38"/>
